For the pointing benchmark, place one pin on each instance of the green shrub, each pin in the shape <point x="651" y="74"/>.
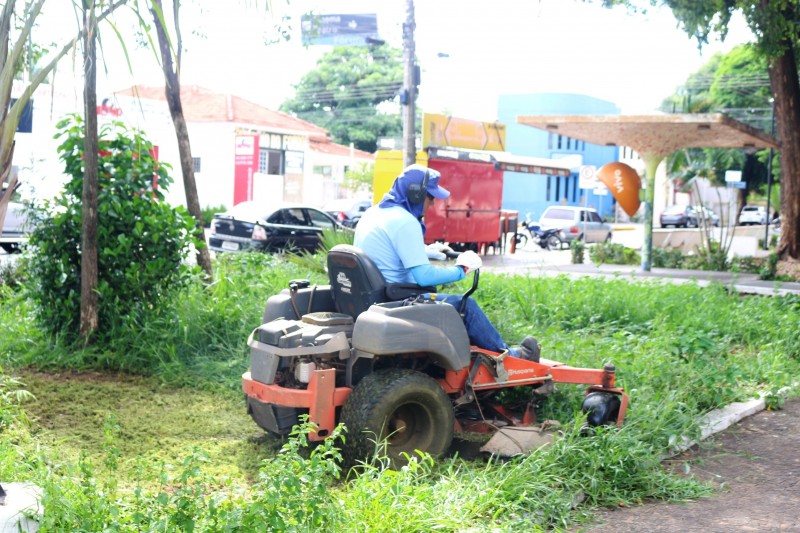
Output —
<point x="713" y="257"/>
<point x="749" y="264"/>
<point x="142" y="240"/>
<point x="208" y="213"/>
<point x="577" y="249"/>
<point x="613" y="253"/>
<point x="12" y="274"/>
<point x="765" y="267"/>
<point x="667" y="258"/>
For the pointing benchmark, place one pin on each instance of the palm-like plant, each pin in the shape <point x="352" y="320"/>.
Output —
<point x="317" y="261"/>
<point x="685" y="168"/>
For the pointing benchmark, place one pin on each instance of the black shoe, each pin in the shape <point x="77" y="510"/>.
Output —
<point x="529" y="349"/>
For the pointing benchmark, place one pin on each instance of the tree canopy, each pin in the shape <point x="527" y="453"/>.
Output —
<point x="737" y="84"/>
<point x="344" y="93"/>
<point x="774" y="25"/>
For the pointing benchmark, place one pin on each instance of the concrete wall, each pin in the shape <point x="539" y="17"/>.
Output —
<point x="744" y="239"/>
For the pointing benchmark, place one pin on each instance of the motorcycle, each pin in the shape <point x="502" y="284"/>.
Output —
<point x="523" y="235"/>
<point x="547" y="239"/>
<point x="527" y="231"/>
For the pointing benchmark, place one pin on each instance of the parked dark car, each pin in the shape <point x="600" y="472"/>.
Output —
<point x="268" y="228"/>
<point x="347" y="211"/>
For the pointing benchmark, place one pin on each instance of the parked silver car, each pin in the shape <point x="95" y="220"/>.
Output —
<point x="581" y="223"/>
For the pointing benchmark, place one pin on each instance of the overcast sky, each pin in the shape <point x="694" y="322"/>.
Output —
<point x="493" y="48"/>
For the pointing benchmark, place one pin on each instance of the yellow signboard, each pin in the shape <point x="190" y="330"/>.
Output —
<point x="442" y="130"/>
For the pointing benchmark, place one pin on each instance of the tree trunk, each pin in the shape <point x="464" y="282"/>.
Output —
<point x="89" y="301"/>
<point x="173" y="95"/>
<point x="784" y="81"/>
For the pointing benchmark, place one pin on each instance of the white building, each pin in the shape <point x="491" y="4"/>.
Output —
<point x="241" y="150"/>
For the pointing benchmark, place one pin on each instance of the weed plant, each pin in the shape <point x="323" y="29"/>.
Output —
<point x="207" y="213"/>
<point x="317" y="262"/>
<point x="12" y="275"/>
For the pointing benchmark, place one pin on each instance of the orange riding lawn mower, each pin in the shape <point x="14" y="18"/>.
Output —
<point x="394" y="368"/>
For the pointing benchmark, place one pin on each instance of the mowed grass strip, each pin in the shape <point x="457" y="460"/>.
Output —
<point x="158" y="425"/>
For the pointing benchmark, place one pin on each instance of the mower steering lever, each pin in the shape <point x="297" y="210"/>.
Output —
<point x="463" y="307"/>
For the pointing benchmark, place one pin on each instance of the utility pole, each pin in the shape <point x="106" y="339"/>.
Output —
<point x="408" y="98"/>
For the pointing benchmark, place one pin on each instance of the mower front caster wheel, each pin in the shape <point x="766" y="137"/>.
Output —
<point x="601" y="408"/>
<point x="405" y="409"/>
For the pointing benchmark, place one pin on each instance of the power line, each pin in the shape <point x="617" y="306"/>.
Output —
<point x="382" y="91"/>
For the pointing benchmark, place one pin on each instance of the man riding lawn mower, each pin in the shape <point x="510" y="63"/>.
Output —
<point x="380" y="351"/>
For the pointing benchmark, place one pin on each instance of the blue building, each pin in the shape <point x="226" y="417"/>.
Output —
<point x="532" y="193"/>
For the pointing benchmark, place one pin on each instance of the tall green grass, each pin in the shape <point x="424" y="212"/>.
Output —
<point x="679" y="350"/>
<point x="304" y="489"/>
<point x="199" y="337"/>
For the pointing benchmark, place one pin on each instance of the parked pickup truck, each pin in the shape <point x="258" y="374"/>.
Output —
<point x="15" y="230"/>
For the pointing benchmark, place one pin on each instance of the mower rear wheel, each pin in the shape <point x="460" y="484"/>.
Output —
<point x="405" y="409"/>
<point x="601" y="408"/>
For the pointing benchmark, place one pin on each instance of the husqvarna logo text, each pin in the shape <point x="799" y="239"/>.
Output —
<point x="344" y="282"/>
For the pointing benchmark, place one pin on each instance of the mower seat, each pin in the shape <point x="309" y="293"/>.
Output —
<point x="357" y="283"/>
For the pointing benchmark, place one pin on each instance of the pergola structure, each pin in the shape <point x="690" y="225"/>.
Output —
<point x="654" y="137"/>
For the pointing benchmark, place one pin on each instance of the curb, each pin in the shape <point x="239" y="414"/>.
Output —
<point x="719" y="420"/>
<point x="21" y="508"/>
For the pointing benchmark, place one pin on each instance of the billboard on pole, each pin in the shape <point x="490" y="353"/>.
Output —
<point x="340" y="29"/>
<point x="444" y="130"/>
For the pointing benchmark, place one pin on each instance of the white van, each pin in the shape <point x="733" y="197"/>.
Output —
<point x="581" y="223"/>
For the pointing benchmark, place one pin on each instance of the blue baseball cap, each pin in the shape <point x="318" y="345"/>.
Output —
<point x="416" y="174"/>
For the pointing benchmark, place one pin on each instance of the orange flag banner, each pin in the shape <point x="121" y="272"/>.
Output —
<point x="624" y="184"/>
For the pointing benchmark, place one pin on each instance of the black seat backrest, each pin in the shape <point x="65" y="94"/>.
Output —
<point x="356" y="282"/>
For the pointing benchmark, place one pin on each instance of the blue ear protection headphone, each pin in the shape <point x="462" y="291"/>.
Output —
<point x="418" y="191"/>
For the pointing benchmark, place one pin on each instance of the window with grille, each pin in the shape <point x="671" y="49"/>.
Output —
<point x="270" y="161"/>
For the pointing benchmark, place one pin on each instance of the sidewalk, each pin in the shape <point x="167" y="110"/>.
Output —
<point x="754" y="469"/>
<point x="555" y="263"/>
